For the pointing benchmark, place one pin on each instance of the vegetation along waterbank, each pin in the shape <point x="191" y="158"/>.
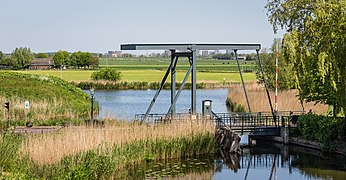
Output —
<point x="102" y="153"/>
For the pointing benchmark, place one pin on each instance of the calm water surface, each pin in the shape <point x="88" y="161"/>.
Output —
<point x="275" y="161"/>
<point x="124" y="104"/>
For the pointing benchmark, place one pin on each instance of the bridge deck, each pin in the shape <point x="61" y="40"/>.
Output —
<point x="259" y="123"/>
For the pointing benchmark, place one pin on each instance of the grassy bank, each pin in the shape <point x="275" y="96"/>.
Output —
<point x="49" y="98"/>
<point x="84" y="153"/>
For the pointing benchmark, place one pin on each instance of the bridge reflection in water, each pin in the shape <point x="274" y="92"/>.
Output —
<point x="265" y="161"/>
<point x="278" y="161"/>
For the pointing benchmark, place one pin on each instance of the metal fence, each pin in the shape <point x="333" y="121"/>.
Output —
<point x="242" y="120"/>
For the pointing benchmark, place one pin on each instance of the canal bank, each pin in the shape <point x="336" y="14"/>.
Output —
<point x="286" y="139"/>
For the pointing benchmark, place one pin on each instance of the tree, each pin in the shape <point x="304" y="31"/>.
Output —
<point x="41" y="55"/>
<point x="22" y="57"/>
<point x="286" y="78"/>
<point x="94" y="62"/>
<point x="85" y="59"/>
<point x="106" y="74"/>
<point x="76" y="59"/>
<point x="222" y="56"/>
<point x="1" y="56"/>
<point x="61" y="58"/>
<point x="315" y="46"/>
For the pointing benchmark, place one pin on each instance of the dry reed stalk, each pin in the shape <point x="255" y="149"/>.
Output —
<point x="50" y="148"/>
<point x="287" y="100"/>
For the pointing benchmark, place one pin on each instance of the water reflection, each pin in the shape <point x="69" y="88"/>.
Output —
<point x="170" y="169"/>
<point x="268" y="161"/>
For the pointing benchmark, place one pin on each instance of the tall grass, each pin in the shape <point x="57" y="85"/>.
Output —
<point x="41" y="112"/>
<point x="86" y="153"/>
<point x="9" y="145"/>
<point x="50" y="148"/>
<point x="287" y="100"/>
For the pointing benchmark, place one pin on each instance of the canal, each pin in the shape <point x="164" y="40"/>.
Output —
<point x="124" y="104"/>
<point x="264" y="161"/>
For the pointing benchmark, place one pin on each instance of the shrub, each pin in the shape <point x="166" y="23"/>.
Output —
<point x="233" y="106"/>
<point x="321" y="128"/>
<point x="106" y="74"/>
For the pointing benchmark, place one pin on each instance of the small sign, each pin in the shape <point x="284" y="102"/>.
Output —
<point x="26" y="104"/>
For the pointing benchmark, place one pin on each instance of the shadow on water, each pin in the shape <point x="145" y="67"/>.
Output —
<point x="267" y="161"/>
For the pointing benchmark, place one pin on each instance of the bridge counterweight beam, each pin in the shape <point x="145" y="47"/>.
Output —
<point x="179" y="91"/>
<point x="242" y="80"/>
<point x="266" y="86"/>
<point x="193" y="79"/>
<point x="174" y="60"/>
<point x="156" y="94"/>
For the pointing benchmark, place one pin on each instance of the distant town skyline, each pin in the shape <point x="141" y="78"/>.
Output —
<point x="101" y="26"/>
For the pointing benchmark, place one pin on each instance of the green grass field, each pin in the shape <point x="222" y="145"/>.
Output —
<point x="147" y="75"/>
<point x="153" y="70"/>
<point x="209" y="65"/>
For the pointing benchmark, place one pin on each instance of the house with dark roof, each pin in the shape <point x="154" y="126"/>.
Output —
<point x="41" y="64"/>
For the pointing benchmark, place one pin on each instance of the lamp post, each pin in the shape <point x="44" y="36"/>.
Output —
<point x="92" y="91"/>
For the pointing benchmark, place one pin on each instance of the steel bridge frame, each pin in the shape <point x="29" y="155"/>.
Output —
<point x="190" y="51"/>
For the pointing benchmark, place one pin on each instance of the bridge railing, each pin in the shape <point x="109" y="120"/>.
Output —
<point x="159" y="118"/>
<point x="256" y="120"/>
<point x="238" y="120"/>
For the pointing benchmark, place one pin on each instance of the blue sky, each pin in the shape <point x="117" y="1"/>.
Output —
<point x="102" y="25"/>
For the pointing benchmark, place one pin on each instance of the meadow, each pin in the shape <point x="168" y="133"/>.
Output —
<point x="203" y="64"/>
<point x="146" y="75"/>
<point x="153" y="69"/>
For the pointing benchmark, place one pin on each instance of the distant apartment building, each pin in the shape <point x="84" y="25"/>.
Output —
<point x="205" y="53"/>
<point x="114" y="53"/>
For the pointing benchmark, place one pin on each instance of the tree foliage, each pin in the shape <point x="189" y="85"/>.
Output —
<point x="285" y="75"/>
<point x="61" y="58"/>
<point x="84" y="59"/>
<point x="315" y="46"/>
<point x="222" y="56"/>
<point x="1" y="56"/>
<point x="41" y="55"/>
<point x="77" y="59"/>
<point x="106" y="74"/>
<point x="21" y="57"/>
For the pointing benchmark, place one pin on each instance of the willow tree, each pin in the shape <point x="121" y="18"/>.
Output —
<point x="315" y="44"/>
<point x="285" y="76"/>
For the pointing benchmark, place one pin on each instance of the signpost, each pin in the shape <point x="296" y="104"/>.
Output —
<point x="7" y="106"/>
<point x="26" y="104"/>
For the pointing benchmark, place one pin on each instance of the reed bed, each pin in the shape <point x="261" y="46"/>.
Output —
<point x="51" y="148"/>
<point x="287" y="100"/>
<point x="86" y="153"/>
